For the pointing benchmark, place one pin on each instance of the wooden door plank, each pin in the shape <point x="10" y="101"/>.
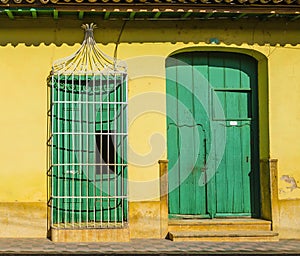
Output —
<point x="173" y="136"/>
<point x="201" y="95"/>
<point x="249" y="69"/>
<point x="246" y="165"/>
<point x="216" y="80"/>
<point x="186" y="123"/>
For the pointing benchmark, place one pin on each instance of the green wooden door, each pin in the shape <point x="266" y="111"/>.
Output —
<point x="212" y="173"/>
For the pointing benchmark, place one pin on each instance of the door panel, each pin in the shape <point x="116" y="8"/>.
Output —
<point x="232" y="176"/>
<point x="196" y="83"/>
<point x="188" y="155"/>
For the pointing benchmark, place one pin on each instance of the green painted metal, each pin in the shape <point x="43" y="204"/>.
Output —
<point x="33" y="13"/>
<point x="106" y="15"/>
<point x="295" y="18"/>
<point x="80" y="15"/>
<point x="241" y="15"/>
<point x="55" y="14"/>
<point x="192" y="80"/>
<point x="9" y="14"/>
<point x="209" y="15"/>
<point x="186" y="15"/>
<point x="131" y="16"/>
<point x="82" y="191"/>
<point x="156" y="15"/>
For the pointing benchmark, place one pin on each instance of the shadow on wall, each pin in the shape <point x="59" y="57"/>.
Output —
<point x="45" y="30"/>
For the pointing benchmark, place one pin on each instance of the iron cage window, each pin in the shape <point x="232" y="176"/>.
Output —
<point x="88" y="149"/>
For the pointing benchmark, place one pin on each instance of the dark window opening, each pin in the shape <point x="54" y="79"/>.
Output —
<point x="106" y="153"/>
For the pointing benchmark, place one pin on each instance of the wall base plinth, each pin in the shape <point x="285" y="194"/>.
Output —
<point x="90" y="235"/>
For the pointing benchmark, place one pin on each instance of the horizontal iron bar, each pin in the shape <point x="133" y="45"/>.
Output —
<point x="90" y="73"/>
<point x="88" y="133"/>
<point x="89" y="197"/>
<point x="104" y="164"/>
<point x="92" y="102"/>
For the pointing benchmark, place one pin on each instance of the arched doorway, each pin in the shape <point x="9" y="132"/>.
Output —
<point x="212" y="135"/>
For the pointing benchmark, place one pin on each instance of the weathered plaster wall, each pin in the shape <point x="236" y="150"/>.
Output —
<point x="289" y="219"/>
<point x="23" y="219"/>
<point x="285" y="118"/>
<point x="27" y="51"/>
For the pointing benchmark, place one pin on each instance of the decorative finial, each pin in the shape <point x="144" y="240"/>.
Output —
<point x="88" y="58"/>
<point x="87" y="27"/>
<point x="89" y="30"/>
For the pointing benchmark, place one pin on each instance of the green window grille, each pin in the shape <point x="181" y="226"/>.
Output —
<point x="88" y="140"/>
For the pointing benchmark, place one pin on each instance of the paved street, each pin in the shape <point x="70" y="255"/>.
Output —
<point x="148" y="246"/>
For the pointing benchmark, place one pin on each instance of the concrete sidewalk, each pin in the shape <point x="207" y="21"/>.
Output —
<point x="148" y="246"/>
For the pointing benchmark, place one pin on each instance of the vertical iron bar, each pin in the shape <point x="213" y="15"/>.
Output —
<point x="65" y="149"/>
<point x="58" y="155"/>
<point x="73" y="109"/>
<point x="52" y="148"/>
<point x="122" y="147"/>
<point x="100" y="149"/>
<point x="126" y="142"/>
<point x="80" y="150"/>
<point x="120" y="169"/>
<point x="108" y="135"/>
<point x="94" y="148"/>
<point x="87" y="106"/>
<point x="114" y="145"/>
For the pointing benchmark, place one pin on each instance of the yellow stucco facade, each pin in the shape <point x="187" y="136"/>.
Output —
<point x="27" y="51"/>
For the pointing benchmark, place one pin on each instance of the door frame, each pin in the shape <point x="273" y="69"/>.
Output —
<point x="266" y="170"/>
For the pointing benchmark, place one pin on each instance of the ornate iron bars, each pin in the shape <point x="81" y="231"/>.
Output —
<point x="88" y="139"/>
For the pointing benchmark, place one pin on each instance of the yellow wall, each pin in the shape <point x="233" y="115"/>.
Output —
<point x="28" y="48"/>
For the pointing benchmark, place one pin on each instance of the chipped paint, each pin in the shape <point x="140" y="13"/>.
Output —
<point x="288" y="187"/>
